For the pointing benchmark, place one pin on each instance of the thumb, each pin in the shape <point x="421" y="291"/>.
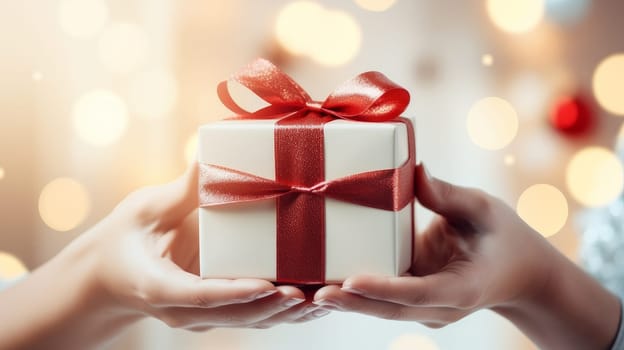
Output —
<point x="450" y="201"/>
<point x="166" y="204"/>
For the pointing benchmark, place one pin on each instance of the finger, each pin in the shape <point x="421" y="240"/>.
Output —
<point x="315" y="312"/>
<point x="288" y="315"/>
<point x="334" y="297"/>
<point x="181" y="245"/>
<point x="172" y="286"/>
<point x="298" y="313"/>
<point x="199" y="329"/>
<point x="449" y="200"/>
<point x="234" y="315"/>
<point x="445" y="289"/>
<point x="167" y="204"/>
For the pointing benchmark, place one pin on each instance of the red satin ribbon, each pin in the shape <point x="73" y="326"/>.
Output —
<point x="300" y="187"/>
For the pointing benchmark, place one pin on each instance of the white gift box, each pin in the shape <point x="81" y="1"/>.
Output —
<point x="239" y="240"/>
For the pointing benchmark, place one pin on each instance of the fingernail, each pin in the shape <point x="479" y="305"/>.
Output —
<point x="325" y="302"/>
<point x="352" y="290"/>
<point x="293" y="301"/>
<point x="320" y="313"/>
<point x="426" y="171"/>
<point x="265" y="294"/>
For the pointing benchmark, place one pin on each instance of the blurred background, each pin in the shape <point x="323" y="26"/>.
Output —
<point x="522" y="98"/>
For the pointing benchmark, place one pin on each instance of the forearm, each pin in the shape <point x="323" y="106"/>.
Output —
<point x="60" y="306"/>
<point x="571" y="311"/>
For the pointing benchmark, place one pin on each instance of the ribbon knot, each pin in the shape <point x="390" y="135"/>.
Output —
<point x="314" y="106"/>
<point x="302" y="189"/>
<point x="318" y="189"/>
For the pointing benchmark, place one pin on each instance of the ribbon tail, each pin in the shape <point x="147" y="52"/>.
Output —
<point x="223" y="186"/>
<point x="380" y="189"/>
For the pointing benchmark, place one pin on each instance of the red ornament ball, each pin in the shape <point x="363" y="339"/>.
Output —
<point x="572" y="115"/>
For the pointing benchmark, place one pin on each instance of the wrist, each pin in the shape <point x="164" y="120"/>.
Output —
<point x="61" y="305"/>
<point x="82" y="260"/>
<point x="569" y="310"/>
<point x="93" y="311"/>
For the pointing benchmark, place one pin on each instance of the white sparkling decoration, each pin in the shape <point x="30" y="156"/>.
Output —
<point x="602" y="239"/>
<point x="602" y="244"/>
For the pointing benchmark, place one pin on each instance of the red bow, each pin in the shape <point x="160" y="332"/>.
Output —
<point x="370" y="96"/>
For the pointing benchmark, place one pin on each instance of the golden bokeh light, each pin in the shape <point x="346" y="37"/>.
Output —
<point x="492" y="123"/>
<point x="11" y="267"/>
<point x="190" y="149"/>
<point x="487" y="60"/>
<point x="594" y="176"/>
<point x="36" y="76"/>
<point x="153" y="93"/>
<point x="509" y="159"/>
<point x="338" y="39"/>
<point x="515" y="16"/>
<point x="329" y="37"/>
<point x="608" y="84"/>
<point x="544" y="208"/>
<point x="295" y="26"/>
<point x="63" y="204"/>
<point x="100" y="117"/>
<point x="375" y="5"/>
<point x="122" y="47"/>
<point x="2" y="173"/>
<point x="82" y="18"/>
<point x="412" y="342"/>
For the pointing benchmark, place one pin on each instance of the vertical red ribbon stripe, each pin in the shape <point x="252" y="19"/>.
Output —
<point x="300" y="161"/>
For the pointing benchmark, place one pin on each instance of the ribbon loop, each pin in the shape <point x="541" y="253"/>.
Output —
<point x="370" y="96"/>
